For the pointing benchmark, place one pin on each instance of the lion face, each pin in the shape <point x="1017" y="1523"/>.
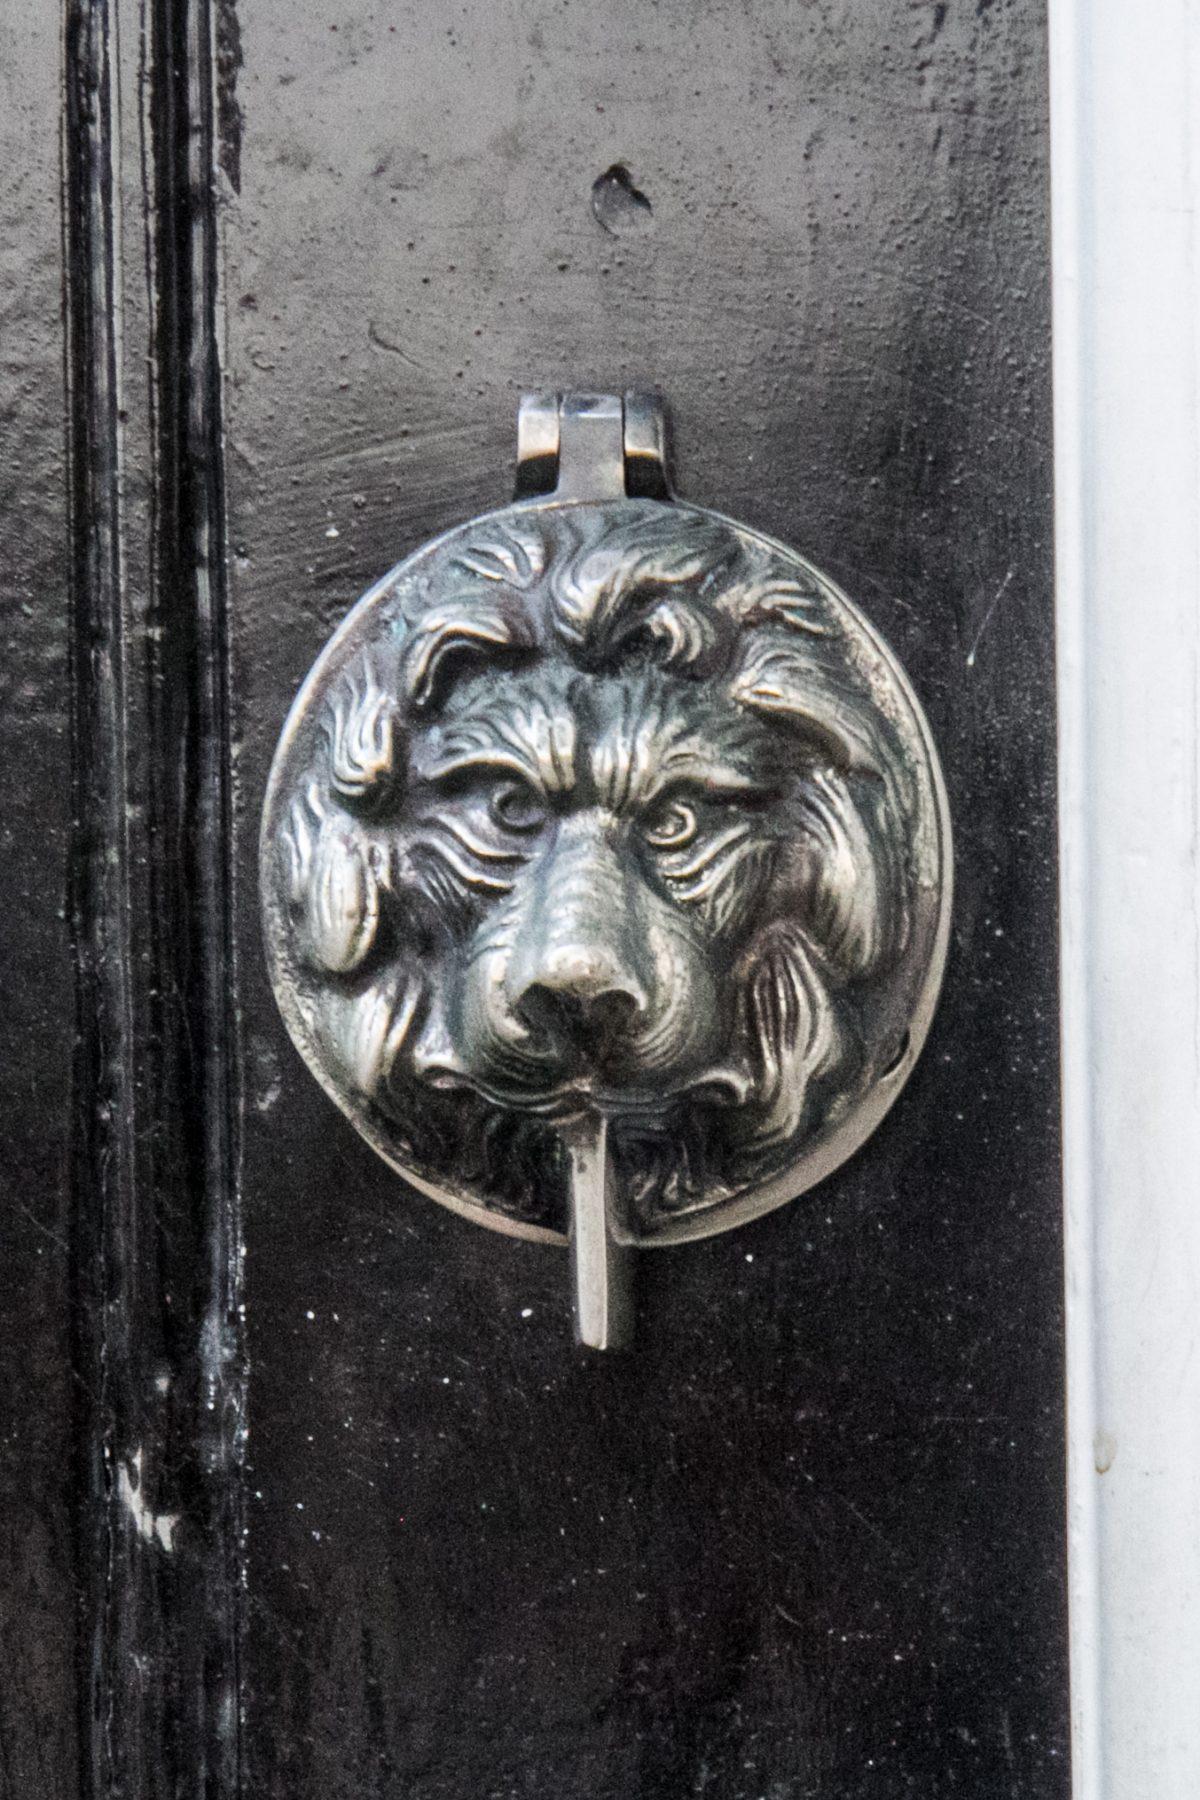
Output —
<point x="603" y="840"/>
<point x="604" y="809"/>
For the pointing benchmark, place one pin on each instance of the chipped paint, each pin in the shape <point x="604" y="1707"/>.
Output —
<point x="153" y="1527"/>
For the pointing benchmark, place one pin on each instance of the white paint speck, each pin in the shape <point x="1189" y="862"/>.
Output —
<point x="154" y="1527"/>
<point x="527" y="1312"/>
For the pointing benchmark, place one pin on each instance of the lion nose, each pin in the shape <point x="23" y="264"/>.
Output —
<point x="586" y="1001"/>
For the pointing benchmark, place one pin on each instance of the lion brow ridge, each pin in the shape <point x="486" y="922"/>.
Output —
<point x="474" y="625"/>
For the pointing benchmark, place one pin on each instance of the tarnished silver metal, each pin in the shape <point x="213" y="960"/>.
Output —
<point x="606" y="862"/>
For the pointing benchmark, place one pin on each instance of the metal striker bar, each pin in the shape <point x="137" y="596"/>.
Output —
<point x="601" y="1265"/>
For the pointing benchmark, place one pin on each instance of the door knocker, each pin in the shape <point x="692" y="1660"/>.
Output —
<point x="606" y="862"/>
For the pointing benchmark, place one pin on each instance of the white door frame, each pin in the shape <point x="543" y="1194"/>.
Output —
<point x="1125" y="133"/>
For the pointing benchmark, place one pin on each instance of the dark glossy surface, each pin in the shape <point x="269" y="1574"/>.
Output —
<point x="808" y="1538"/>
<point x="38" y="1593"/>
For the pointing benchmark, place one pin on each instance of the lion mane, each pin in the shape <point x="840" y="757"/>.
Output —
<point x="669" y="636"/>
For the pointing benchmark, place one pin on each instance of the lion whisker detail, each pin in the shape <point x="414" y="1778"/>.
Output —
<point x="434" y="843"/>
<point x="471" y="842"/>
<point x="682" y="869"/>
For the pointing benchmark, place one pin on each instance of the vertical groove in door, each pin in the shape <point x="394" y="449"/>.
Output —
<point x="156" y="1078"/>
<point x="103" y="1131"/>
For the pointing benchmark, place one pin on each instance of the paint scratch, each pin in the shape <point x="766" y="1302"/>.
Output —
<point x="997" y="597"/>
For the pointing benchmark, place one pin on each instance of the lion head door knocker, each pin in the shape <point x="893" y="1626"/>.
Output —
<point x="606" y="862"/>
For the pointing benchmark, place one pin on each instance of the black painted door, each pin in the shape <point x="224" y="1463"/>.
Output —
<point x="307" y="1493"/>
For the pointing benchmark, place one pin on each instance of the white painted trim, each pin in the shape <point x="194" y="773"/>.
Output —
<point x="1125" y="83"/>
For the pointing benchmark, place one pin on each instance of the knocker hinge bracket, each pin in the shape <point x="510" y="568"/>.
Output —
<point x="592" y="446"/>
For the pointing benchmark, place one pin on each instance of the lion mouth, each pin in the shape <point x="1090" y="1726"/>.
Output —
<point x="724" y="1085"/>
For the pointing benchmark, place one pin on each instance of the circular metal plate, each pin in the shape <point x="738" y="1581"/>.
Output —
<point x="613" y="808"/>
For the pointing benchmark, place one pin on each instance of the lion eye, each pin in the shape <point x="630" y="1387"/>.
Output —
<point x="672" y="826"/>
<point x="517" y="808"/>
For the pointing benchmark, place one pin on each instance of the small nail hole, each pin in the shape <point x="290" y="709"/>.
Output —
<point x="620" y="206"/>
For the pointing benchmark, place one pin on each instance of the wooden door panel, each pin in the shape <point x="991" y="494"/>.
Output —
<point x="807" y="1535"/>
<point x="313" y="1495"/>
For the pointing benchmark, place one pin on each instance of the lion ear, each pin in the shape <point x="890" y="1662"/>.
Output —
<point x="332" y="883"/>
